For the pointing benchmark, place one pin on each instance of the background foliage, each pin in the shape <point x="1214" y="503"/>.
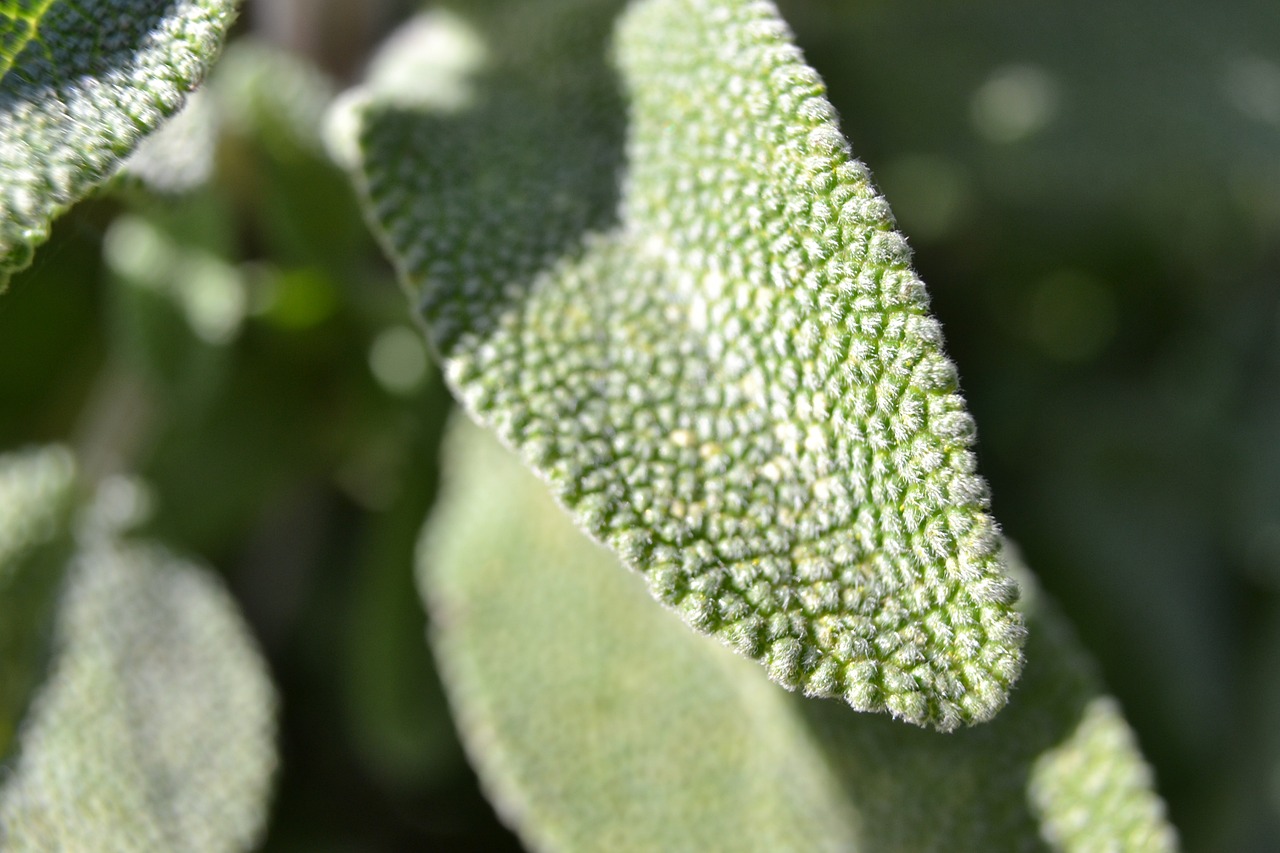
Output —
<point x="1093" y="195"/>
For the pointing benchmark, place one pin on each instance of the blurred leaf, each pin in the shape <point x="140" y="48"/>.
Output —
<point x="1141" y="478"/>
<point x="721" y="360"/>
<point x="274" y="94"/>
<point x="179" y="156"/>
<point x="154" y="727"/>
<point x="598" y="724"/>
<point x="273" y="105"/>
<point x="80" y="84"/>
<point x="35" y="497"/>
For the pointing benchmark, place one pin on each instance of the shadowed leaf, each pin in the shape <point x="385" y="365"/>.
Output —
<point x="598" y="724"/>
<point x="35" y="500"/>
<point x="153" y="727"/>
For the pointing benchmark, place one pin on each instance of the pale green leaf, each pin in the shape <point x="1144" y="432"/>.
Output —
<point x="81" y="83"/>
<point x="35" y="499"/>
<point x="153" y="728"/>
<point x="179" y="156"/>
<point x="35" y="486"/>
<point x="263" y="90"/>
<point x="597" y="723"/>
<point x="668" y="284"/>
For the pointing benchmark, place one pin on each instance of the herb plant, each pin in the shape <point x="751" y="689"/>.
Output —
<point x="711" y="565"/>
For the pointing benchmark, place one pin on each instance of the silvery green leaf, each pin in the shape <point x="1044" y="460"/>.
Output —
<point x="648" y="260"/>
<point x="153" y="727"/>
<point x="179" y="156"/>
<point x="597" y="723"/>
<point x="81" y="83"/>
<point x="35" y="503"/>
<point x="264" y="90"/>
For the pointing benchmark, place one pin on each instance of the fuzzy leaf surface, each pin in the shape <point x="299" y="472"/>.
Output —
<point x="81" y="83"/>
<point x="597" y="723"/>
<point x="153" y="726"/>
<point x="649" y="261"/>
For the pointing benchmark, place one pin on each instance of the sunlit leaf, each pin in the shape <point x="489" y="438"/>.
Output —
<point x="597" y="723"/>
<point x="266" y="91"/>
<point x="669" y="285"/>
<point x="179" y="156"/>
<point x="81" y="83"/>
<point x="153" y="727"/>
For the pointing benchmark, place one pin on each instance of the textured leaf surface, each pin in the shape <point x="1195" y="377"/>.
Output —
<point x="153" y="728"/>
<point x="721" y="360"/>
<point x="80" y="84"/>
<point x="597" y="723"/>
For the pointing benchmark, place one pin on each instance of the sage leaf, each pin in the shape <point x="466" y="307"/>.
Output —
<point x="597" y="723"/>
<point x="179" y="156"/>
<point x="35" y="502"/>
<point x="648" y="260"/>
<point x="81" y="83"/>
<point x="153" y="728"/>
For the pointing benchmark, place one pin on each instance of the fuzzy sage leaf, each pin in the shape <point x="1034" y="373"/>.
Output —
<point x="151" y="723"/>
<point x="35" y="504"/>
<point x="81" y="83"/>
<point x="649" y="261"/>
<point x="597" y="723"/>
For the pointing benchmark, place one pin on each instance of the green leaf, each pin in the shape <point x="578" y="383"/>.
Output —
<point x="179" y="156"/>
<point x="273" y="103"/>
<point x="153" y="729"/>
<point x="597" y="723"/>
<point x="265" y="91"/>
<point x="81" y="83"/>
<point x="669" y="285"/>
<point x="35" y="498"/>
